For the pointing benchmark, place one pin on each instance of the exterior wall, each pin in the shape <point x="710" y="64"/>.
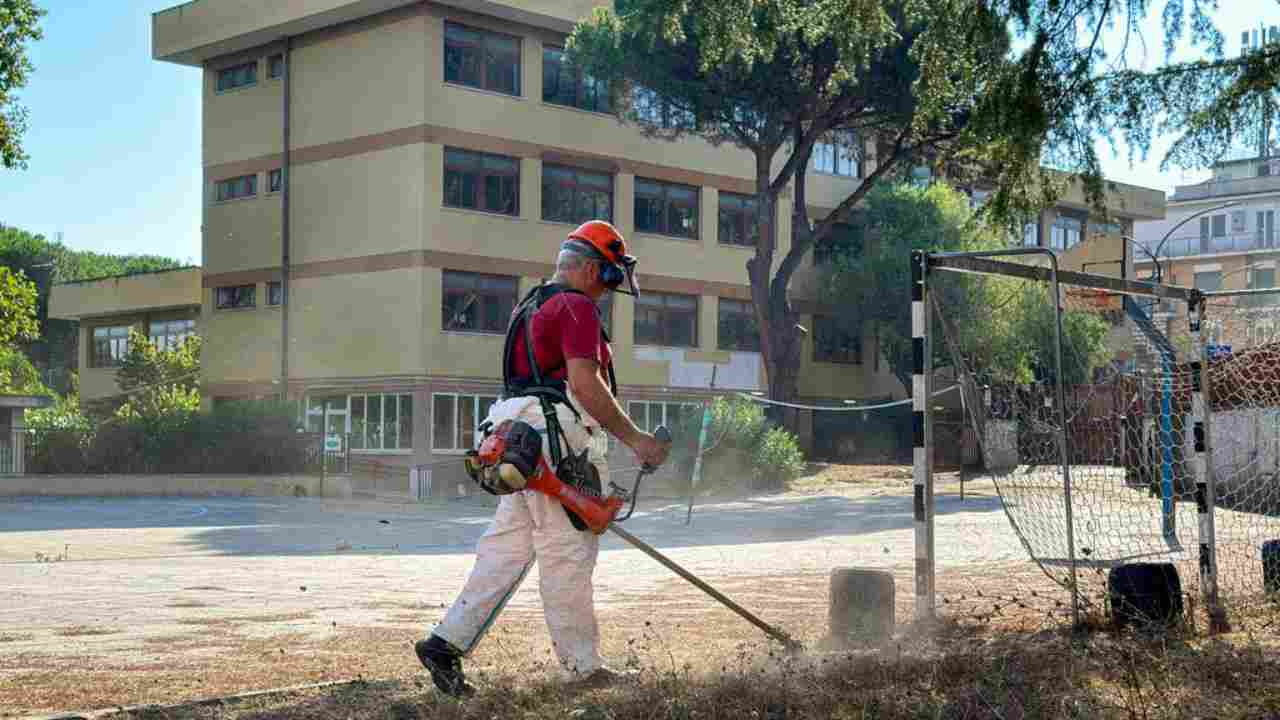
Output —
<point x="133" y="293"/>
<point x="241" y="344"/>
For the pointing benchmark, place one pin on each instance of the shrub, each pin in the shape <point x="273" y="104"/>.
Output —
<point x="777" y="457"/>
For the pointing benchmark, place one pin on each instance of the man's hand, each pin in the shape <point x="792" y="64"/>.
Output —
<point x="649" y="450"/>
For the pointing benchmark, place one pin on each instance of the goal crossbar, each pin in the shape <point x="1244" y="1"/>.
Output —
<point x="982" y="263"/>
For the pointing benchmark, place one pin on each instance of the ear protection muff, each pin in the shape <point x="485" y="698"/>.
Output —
<point x="611" y="275"/>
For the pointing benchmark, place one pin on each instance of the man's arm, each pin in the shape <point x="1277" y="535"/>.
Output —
<point x="591" y="391"/>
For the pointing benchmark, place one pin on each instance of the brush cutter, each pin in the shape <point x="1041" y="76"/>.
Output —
<point x="510" y="459"/>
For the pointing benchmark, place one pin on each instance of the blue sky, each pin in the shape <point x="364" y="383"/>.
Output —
<point x="115" y="136"/>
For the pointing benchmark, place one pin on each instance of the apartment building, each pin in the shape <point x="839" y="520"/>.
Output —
<point x="384" y="178"/>
<point x="1220" y="234"/>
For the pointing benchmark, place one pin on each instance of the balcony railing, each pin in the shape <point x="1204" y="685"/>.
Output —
<point x="1196" y="245"/>
<point x="1226" y="188"/>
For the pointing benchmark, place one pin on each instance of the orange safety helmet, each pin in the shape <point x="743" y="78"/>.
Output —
<point x="605" y="243"/>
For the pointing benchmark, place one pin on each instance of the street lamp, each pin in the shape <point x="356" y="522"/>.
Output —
<point x="1155" y="256"/>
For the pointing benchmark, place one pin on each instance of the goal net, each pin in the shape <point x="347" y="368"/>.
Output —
<point x="1089" y="404"/>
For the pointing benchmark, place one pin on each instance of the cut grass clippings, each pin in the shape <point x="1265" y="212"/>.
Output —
<point x="958" y="673"/>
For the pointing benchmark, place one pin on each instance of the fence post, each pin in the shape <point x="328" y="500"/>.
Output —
<point x="1203" y="468"/>
<point x="922" y="439"/>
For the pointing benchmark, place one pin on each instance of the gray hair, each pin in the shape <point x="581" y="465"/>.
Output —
<point x="570" y="258"/>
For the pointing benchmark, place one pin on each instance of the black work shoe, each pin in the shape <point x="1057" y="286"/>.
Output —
<point x="445" y="663"/>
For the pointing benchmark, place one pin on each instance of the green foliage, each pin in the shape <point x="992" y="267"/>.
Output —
<point x="741" y="445"/>
<point x="777" y="458"/>
<point x="17" y="308"/>
<point x="19" y="25"/>
<point x="18" y="376"/>
<point x="161" y="383"/>
<point x="1006" y="324"/>
<point x="237" y="438"/>
<point x="65" y="415"/>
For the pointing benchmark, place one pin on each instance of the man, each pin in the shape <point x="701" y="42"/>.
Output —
<point x="557" y="361"/>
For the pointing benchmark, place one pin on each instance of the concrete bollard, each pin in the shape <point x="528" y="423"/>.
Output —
<point x="861" y="606"/>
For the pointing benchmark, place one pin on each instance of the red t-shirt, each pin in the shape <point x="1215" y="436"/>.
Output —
<point x="566" y="326"/>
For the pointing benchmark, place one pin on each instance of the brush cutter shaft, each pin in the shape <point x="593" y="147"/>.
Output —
<point x="747" y="615"/>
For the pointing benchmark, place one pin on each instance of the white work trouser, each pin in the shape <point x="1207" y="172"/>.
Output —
<point x="531" y="525"/>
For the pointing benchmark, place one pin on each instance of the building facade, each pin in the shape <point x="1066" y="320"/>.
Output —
<point x="384" y="179"/>
<point x="1219" y="234"/>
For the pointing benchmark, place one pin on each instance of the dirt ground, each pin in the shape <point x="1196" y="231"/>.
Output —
<point x="113" y="602"/>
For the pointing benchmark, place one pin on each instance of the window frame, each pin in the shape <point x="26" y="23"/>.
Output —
<point x="252" y="292"/>
<point x="278" y="286"/>
<point x="482" y="174"/>
<point x="745" y="216"/>
<point x="363" y="449"/>
<point x="729" y="308"/>
<point x="446" y="292"/>
<point x="665" y="206"/>
<point x="219" y="197"/>
<point x="117" y="346"/>
<point x="838" y="153"/>
<point x="169" y="340"/>
<point x="648" y="405"/>
<point x="643" y="303"/>
<point x="601" y="87"/>
<point x="484" y="57"/>
<point x="1062" y="228"/>
<point x="456" y="447"/>
<point x="275" y="181"/>
<point x="834" y="357"/>
<point x="220" y="73"/>
<point x="576" y="188"/>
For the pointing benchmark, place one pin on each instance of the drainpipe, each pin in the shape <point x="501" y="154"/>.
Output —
<point x="284" y="226"/>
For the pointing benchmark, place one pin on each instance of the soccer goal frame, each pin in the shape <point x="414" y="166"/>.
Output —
<point x="999" y="263"/>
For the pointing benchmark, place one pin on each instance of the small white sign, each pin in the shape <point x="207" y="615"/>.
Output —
<point x="332" y="443"/>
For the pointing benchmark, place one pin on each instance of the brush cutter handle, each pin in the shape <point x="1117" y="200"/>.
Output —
<point x="662" y="435"/>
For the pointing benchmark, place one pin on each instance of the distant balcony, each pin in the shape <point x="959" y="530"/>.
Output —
<point x="1226" y="188"/>
<point x="1195" y="245"/>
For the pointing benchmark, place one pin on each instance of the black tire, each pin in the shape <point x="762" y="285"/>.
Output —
<point x="1145" y="595"/>
<point x="1271" y="567"/>
<point x="861" y="605"/>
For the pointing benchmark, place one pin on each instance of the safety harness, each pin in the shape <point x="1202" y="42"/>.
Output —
<point x="575" y="470"/>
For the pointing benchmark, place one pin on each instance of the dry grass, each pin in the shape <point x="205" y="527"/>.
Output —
<point x="15" y="637"/>
<point x="242" y="619"/>
<point x="187" y="604"/>
<point x="952" y="672"/>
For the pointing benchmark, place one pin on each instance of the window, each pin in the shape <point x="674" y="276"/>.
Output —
<point x="738" y="219"/>
<point x="1208" y="281"/>
<point x="1220" y="225"/>
<point x="836" y="155"/>
<point x="666" y="208"/>
<point x="238" y="76"/>
<point x="275" y="180"/>
<point x="275" y="66"/>
<point x="653" y="110"/>
<point x="1261" y="278"/>
<point x="648" y="415"/>
<point x="236" y="188"/>
<point x="666" y="319"/>
<point x="478" y="181"/>
<point x="737" y="326"/>
<point x="454" y="419"/>
<point x="1065" y="232"/>
<point x="1266" y="230"/>
<point x="275" y="293"/>
<point x="481" y="59"/>
<point x="1031" y="233"/>
<point x="110" y="346"/>
<point x="835" y="343"/>
<point x="170" y="334"/>
<point x="381" y="422"/>
<point x="478" y="303"/>
<point x="563" y="84"/>
<point x="844" y="241"/>
<point x="575" y="196"/>
<point x="237" y="296"/>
